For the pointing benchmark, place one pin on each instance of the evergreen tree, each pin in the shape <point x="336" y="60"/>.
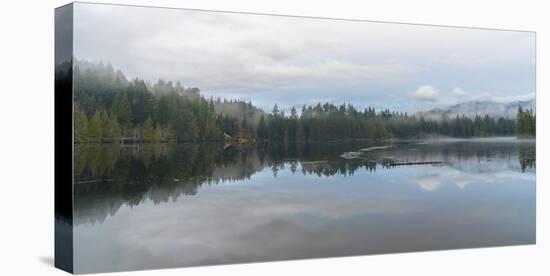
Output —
<point x="275" y="110"/>
<point x="244" y="125"/>
<point x="171" y="136"/>
<point x="142" y="101"/>
<point x="148" y="130"/>
<point x="111" y="128"/>
<point x="171" y="112"/>
<point x="158" y="133"/>
<point x="293" y="113"/>
<point x="114" y="129"/>
<point x="123" y="110"/>
<point x="525" y="123"/>
<point x="81" y="127"/>
<point x="95" y="132"/>
<point x="261" y="131"/>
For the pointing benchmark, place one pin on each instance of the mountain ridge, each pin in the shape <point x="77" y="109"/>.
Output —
<point x="481" y="107"/>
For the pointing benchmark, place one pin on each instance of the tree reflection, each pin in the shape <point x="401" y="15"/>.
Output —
<point x="527" y="157"/>
<point x="108" y="176"/>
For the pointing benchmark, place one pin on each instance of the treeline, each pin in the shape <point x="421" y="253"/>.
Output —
<point x="335" y="122"/>
<point x="111" y="109"/>
<point x="526" y="123"/>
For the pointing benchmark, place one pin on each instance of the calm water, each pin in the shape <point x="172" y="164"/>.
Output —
<point x="154" y="206"/>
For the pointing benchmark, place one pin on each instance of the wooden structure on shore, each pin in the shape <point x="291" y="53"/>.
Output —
<point x="236" y="140"/>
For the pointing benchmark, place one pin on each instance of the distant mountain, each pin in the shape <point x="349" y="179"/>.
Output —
<point x="472" y="108"/>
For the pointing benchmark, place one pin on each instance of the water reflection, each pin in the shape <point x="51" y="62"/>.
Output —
<point x="149" y="206"/>
<point x="115" y="175"/>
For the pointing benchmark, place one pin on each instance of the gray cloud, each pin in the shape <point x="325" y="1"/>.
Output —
<point x="272" y="58"/>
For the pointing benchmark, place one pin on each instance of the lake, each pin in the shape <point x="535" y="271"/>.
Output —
<point x="159" y="205"/>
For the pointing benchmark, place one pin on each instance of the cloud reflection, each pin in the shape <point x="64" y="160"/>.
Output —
<point x="429" y="182"/>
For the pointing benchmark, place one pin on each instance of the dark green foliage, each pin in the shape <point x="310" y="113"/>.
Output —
<point x="332" y="122"/>
<point x="142" y="101"/>
<point x="81" y="127"/>
<point x="261" y="131"/>
<point x="96" y="85"/>
<point x="158" y="135"/>
<point x="113" y="109"/>
<point x="95" y="130"/>
<point x="148" y="130"/>
<point x="143" y="113"/>
<point x="526" y="123"/>
<point x="121" y="107"/>
<point x="111" y="128"/>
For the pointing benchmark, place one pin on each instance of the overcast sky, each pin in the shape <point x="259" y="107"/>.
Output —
<point x="295" y="61"/>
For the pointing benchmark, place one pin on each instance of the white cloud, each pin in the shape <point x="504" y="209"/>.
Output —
<point x="426" y="93"/>
<point x="459" y="93"/>
<point x="428" y="182"/>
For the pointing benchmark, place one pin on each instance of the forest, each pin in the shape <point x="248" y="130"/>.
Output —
<point x="109" y="108"/>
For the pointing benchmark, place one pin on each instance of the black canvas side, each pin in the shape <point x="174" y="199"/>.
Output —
<point x="64" y="138"/>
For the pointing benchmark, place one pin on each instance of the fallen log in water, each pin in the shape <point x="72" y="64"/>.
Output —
<point x="313" y="162"/>
<point x="94" y="181"/>
<point x="415" y="163"/>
